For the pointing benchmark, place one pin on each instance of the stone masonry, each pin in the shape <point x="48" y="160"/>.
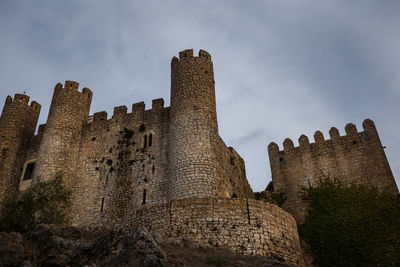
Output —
<point x="355" y="157"/>
<point x="165" y="168"/>
<point x="246" y="226"/>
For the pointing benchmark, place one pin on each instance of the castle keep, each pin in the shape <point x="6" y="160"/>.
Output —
<point x="355" y="157"/>
<point x="165" y="168"/>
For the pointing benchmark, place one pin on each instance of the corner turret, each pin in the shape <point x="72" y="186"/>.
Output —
<point x="69" y="112"/>
<point x="17" y="126"/>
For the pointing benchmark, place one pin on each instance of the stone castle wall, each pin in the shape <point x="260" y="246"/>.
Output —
<point x="356" y="157"/>
<point x="119" y="172"/>
<point x="245" y="226"/>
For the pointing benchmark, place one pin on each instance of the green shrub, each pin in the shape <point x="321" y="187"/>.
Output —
<point x="44" y="202"/>
<point x="352" y="225"/>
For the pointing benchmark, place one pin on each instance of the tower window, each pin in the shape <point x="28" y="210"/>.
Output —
<point x="145" y="140"/>
<point x="144" y="197"/>
<point x="102" y="204"/>
<point x="153" y="169"/>
<point x="150" y="139"/>
<point x="29" y="171"/>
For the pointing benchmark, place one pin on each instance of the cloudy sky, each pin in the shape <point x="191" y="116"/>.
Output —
<point x="282" y="68"/>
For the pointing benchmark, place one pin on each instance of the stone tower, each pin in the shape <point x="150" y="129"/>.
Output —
<point x="17" y="126"/>
<point x="59" y="148"/>
<point x="193" y="165"/>
<point x="354" y="157"/>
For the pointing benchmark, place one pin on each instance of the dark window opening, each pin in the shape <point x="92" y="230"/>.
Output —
<point x="144" y="196"/>
<point x="29" y="171"/>
<point x="153" y="169"/>
<point x="102" y="204"/>
<point x="145" y="140"/>
<point x="270" y="187"/>
<point x="150" y="139"/>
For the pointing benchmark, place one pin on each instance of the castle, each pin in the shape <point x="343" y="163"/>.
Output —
<point x="167" y="168"/>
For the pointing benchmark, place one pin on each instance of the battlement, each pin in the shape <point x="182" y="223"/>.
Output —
<point x="22" y="99"/>
<point x="120" y="112"/>
<point x="73" y="87"/>
<point x="357" y="156"/>
<point x="350" y="130"/>
<point x="157" y="103"/>
<point x="188" y="54"/>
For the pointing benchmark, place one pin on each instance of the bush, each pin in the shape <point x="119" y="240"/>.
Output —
<point x="44" y="202"/>
<point x="352" y="225"/>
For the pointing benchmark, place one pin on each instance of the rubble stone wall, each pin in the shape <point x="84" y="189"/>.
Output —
<point x="245" y="226"/>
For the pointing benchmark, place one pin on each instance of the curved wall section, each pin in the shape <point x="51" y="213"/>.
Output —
<point x="245" y="226"/>
<point x="194" y="170"/>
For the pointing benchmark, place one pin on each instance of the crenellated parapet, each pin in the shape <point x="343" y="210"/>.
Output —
<point x="357" y="156"/>
<point x="351" y="131"/>
<point x="138" y="113"/>
<point x="71" y="87"/>
<point x="22" y="101"/>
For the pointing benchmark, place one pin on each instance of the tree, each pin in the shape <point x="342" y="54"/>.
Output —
<point x="45" y="202"/>
<point x="352" y="225"/>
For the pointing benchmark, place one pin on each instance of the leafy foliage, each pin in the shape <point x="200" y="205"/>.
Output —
<point x="352" y="225"/>
<point x="44" y="202"/>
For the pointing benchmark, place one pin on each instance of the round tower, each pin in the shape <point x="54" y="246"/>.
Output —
<point x="194" y="170"/>
<point x="59" y="148"/>
<point x="17" y="126"/>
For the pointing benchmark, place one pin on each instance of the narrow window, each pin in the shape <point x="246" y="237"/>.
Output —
<point x="102" y="204"/>
<point x="150" y="139"/>
<point x="144" y="197"/>
<point x="29" y="171"/>
<point x="153" y="169"/>
<point x="145" y="140"/>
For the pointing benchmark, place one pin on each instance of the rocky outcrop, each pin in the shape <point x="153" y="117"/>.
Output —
<point x="49" y="245"/>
